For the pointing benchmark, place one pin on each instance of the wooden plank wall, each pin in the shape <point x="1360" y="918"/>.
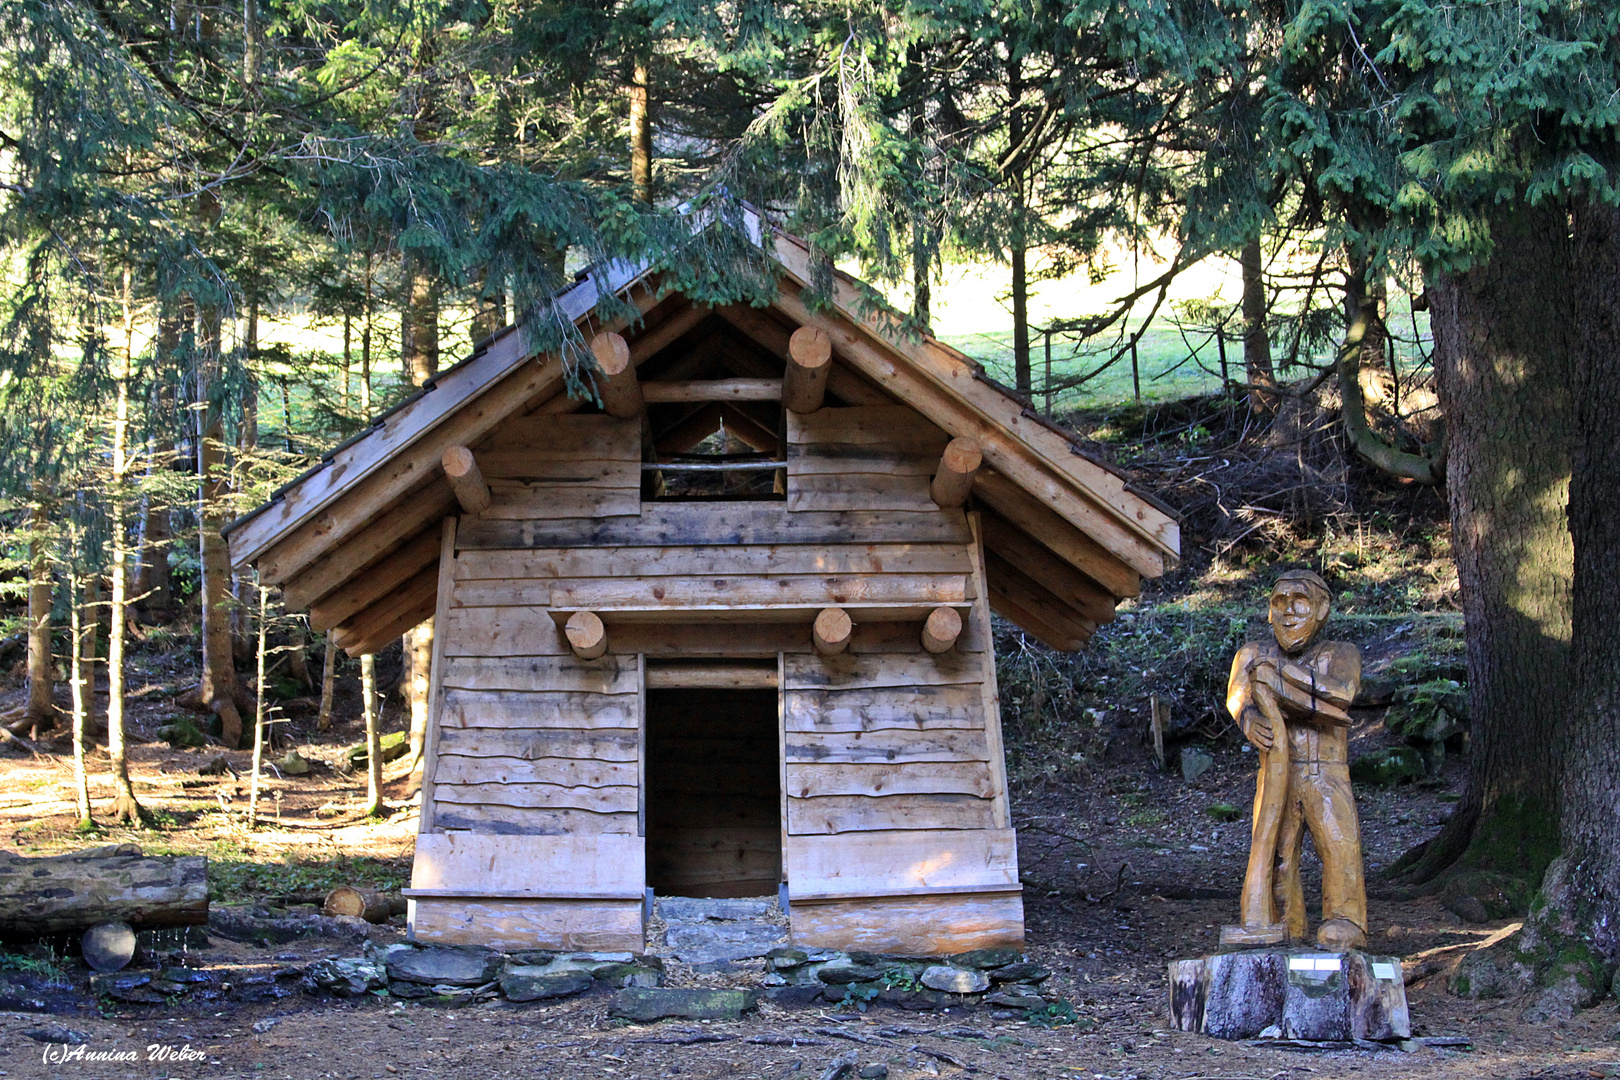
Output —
<point x="531" y="740"/>
<point x="897" y="822"/>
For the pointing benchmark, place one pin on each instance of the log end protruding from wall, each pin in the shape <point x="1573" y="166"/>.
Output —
<point x="616" y="382"/>
<point x="466" y="479"/>
<point x="809" y="363"/>
<point x="832" y="631"/>
<point x="958" y="465"/>
<point x="586" y="635"/>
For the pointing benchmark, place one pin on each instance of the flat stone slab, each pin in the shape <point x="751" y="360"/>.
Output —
<point x="542" y="984"/>
<point x="443" y="967"/>
<point x="955" y="980"/>
<point x="696" y="909"/>
<point x="705" y="943"/>
<point x="647" y="1005"/>
<point x="1297" y="993"/>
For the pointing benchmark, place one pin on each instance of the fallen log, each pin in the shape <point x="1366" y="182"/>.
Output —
<point x="117" y="883"/>
<point x="371" y="905"/>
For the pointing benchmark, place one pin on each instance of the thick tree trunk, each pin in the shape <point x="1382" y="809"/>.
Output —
<point x="75" y="892"/>
<point x="1586" y="910"/>
<point x="40" y="712"/>
<point x="1502" y="353"/>
<point x="419" y="657"/>
<point x="323" y="719"/>
<point x="221" y="690"/>
<point x="1257" y="365"/>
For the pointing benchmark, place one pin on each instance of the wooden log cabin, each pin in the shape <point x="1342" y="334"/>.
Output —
<point x="725" y="633"/>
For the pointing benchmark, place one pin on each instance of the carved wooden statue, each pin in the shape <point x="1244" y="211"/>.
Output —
<point x="1290" y="697"/>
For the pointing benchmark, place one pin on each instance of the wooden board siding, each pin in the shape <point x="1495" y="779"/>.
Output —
<point x="562" y="465"/>
<point x="663" y="582"/>
<point x="516" y="924"/>
<point x="937" y="925"/>
<point x="872" y="457"/>
<point x="535" y="745"/>
<point x="824" y="868"/>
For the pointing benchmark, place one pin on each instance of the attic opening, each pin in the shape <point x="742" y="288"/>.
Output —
<point x="713" y="792"/>
<point x="714" y="431"/>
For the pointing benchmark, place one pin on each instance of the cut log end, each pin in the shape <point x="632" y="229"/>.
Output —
<point x="941" y="629"/>
<point x="958" y="465"/>
<point x="617" y="385"/>
<point x="109" y="946"/>
<point x="359" y="902"/>
<point x="809" y="364"/>
<point x="466" y="479"/>
<point x="586" y="635"/>
<point x="832" y="630"/>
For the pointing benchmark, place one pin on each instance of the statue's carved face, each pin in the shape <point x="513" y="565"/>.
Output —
<point x="1297" y="613"/>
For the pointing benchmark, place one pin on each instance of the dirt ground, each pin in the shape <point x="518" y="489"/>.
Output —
<point x="1124" y="868"/>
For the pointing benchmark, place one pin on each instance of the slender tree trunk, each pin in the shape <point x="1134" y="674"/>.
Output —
<point x="641" y="144"/>
<point x="90" y="598"/>
<point x="40" y="712"/>
<point x="81" y="777"/>
<point x="1023" y="374"/>
<point x="323" y="720"/>
<point x="1257" y="365"/>
<point x="221" y="690"/>
<point x="368" y="710"/>
<point x="365" y="347"/>
<point x="419" y="647"/>
<point x="247" y="440"/>
<point x="125" y="810"/>
<point x="258" y="711"/>
<point x="419" y="330"/>
<point x="154" y="582"/>
<point x="1502" y="356"/>
<point x="348" y="361"/>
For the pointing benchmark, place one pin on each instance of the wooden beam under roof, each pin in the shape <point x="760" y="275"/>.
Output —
<point x="425" y="506"/>
<point x="1003" y="450"/>
<point x="1038" y="561"/>
<point x="1037" y="611"/>
<point x="774" y="337"/>
<point x="375" y="581"/>
<point x="410" y="605"/>
<point x="1069" y="543"/>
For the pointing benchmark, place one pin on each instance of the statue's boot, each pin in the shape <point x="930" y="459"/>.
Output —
<point x="1339" y="935"/>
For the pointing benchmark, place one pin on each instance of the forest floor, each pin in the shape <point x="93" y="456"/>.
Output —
<point x="1125" y="865"/>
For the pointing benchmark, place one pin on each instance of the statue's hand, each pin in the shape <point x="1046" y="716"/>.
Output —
<point x="1258" y="729"/>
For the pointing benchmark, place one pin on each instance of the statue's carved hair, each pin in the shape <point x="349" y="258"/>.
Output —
<point x="1311" y="580"/>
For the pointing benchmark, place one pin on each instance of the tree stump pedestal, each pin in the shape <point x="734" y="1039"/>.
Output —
<point x="1290" y="994"/>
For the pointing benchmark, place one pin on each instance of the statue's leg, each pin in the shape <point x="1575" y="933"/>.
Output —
<point x="1288" y="887"/>
<point x="1330" y="813"/>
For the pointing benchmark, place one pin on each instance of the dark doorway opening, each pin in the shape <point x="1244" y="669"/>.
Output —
<point x="714" y="793"/>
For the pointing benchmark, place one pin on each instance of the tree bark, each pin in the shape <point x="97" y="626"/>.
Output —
<point x="419" y="652"/>
<point x="323" y="719"/>
<point x="41" y="679"/>
<point x="641" y="145"/>
<point x="1502" y="356"/>
<point x="81" y="775"/>
<point x="75" y="892"/>
<point x="126" y="810"/>
<point x="1256" y="340"/>
<point x="1364" y="337"/>
<point x="221" y="690"/>
<point x="368" y="710"/>
<point x="1586" y="910"/>
<point x="420" y="329"/>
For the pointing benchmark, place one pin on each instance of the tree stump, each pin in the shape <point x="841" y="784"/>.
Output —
<point x="1291" y="994"/>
